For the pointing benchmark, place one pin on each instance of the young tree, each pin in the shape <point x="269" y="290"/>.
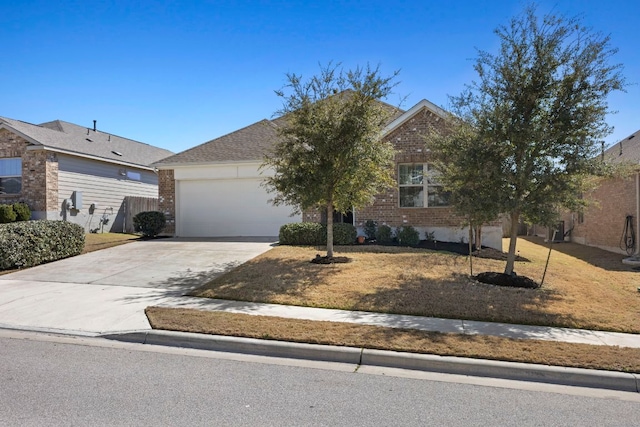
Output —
<point x="459" y="158"/>
<point x="538" y="109"/>
<point x="329" y="153"/>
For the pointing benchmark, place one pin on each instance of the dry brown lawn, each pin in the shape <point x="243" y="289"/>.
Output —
<point x="97" y="241"/>
<point x="363" y="336"/>
<point x="584" y="287"/>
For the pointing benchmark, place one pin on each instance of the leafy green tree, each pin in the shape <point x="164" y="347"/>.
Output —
<point x="460" y="160"/>
<point x="538" y="113"/>
<point x="329" y="154"/>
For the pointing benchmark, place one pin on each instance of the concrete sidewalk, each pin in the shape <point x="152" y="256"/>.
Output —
<point x="469" y="327"/>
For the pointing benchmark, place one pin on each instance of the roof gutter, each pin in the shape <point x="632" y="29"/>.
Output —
<point x="162" y="166"/>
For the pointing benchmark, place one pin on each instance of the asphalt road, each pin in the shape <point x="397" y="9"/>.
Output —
<point x="51" y="380"/>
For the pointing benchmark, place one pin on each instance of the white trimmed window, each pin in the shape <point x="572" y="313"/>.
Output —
<point x="11" y="176"/>
<point x="417" y="179"/>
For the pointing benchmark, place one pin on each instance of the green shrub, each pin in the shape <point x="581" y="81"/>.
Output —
<point x="408" y="236"/>
<point x="23" y="213"/>
<point x="28" y="243"/>
<point x="343" y="234"/>
<point x="384" y="234"/>
<point x="302" y="233"/>
<point x="370" y="229"/>
<point x="7" y="214"/>
<point x="314" y="234"/>
<point x="149" y="223"/>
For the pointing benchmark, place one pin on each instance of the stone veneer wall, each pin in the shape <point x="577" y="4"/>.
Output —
<point x="39" y="175"/>
<point x="166" y="198"/>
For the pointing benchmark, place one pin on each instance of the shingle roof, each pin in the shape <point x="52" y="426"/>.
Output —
<point x="247" y="144"/>
<point x="73" y="139"/>
<point x="626" y="150"/>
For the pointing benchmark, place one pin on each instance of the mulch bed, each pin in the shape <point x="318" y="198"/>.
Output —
<point x="330" y="260"/>
<point x="509" y="280"/>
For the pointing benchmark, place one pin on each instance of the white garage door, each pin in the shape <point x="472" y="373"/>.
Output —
<point x="227" y="207"/>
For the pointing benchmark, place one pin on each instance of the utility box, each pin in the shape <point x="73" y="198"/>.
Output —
<point x="76" y="198"/>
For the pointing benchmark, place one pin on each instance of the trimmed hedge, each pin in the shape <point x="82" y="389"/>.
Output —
<point x="7" y="214"/>
<point x="149" y="223"/>
<point x="23" y="213"/>
<point x="313" y="233"/>
<point x="384" y="234"/>
<point x="343" y="234"/>
<point x="28" y="243"/>
<point x="408" y="236"/>
<point x="302" y="233"/>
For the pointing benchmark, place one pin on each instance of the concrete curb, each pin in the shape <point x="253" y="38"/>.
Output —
<point x="422" y="362"/>
<point x="252" y="346"/>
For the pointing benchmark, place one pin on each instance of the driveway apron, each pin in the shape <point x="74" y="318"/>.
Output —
<point x="107" y="291"/>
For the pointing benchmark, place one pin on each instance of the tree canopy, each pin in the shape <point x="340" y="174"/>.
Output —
<point x="329" y="154"/>
<point x="534" y="119"/>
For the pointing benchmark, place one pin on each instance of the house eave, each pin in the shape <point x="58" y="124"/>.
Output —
<point x="165" y="166"/>
<point x="411" y="112"/>
<point x="89" y="156"/>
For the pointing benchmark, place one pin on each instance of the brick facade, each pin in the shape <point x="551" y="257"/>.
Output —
<point x="39" y="174"/>
<point x="409" y="141"/>
<point x="166" y="198"/>
<point x="604" y="219"/>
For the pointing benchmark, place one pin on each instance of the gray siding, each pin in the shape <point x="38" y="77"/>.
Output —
<point x="103" y="184"/>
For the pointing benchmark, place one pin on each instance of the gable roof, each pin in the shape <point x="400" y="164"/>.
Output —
<point x="625" y="150"/>
<point x="406" y="115"/>
<point x="248" y="144"/>
<point x="76" y="140"/>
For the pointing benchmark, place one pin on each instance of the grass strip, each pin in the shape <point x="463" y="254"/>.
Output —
<point x="351" y="335"/>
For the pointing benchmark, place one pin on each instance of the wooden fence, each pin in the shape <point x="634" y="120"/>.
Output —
<point x="133" y="205"/>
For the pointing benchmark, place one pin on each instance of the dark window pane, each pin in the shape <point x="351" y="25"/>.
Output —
<point x="411" y="197"/>
<point x="10" y="185"/>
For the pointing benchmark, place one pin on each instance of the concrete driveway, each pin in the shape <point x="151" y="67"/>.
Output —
<point x="107" y="291"/>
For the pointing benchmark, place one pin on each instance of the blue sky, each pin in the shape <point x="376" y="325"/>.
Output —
<point x="178" y="73"/>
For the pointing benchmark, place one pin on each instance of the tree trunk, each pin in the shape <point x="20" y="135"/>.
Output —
<point x="330" y="229"/>
<point x="511" y="256"/>
<point x="479" y="237"/>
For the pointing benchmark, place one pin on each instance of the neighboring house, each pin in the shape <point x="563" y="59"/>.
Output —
<point x="215" y="189"/>
<point x="68" y="172"/>
<point x="604" y="221"/>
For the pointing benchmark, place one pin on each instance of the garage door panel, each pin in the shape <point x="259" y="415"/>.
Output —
<point x="234" y="207"/>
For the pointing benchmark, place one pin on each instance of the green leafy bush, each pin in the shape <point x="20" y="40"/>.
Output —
<point x="343" y="234"/>
<point x="313" y="233"/>
<point x="408" y="236"/>
<point x="149" y="223"/>
<point x="370" y="229"/>
<point x="384" y="234"/>
<point x="302" y="233"/>
<point x="28" y="243"/>
<point x="7" y="214"/>
<point x="23" y="213"/>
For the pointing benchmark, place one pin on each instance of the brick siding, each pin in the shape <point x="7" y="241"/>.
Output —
<point x="409" y="141"/>
<point x="166" y="198"/>
<point x="604" y="218"/>
<point x="39" y="174"/>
